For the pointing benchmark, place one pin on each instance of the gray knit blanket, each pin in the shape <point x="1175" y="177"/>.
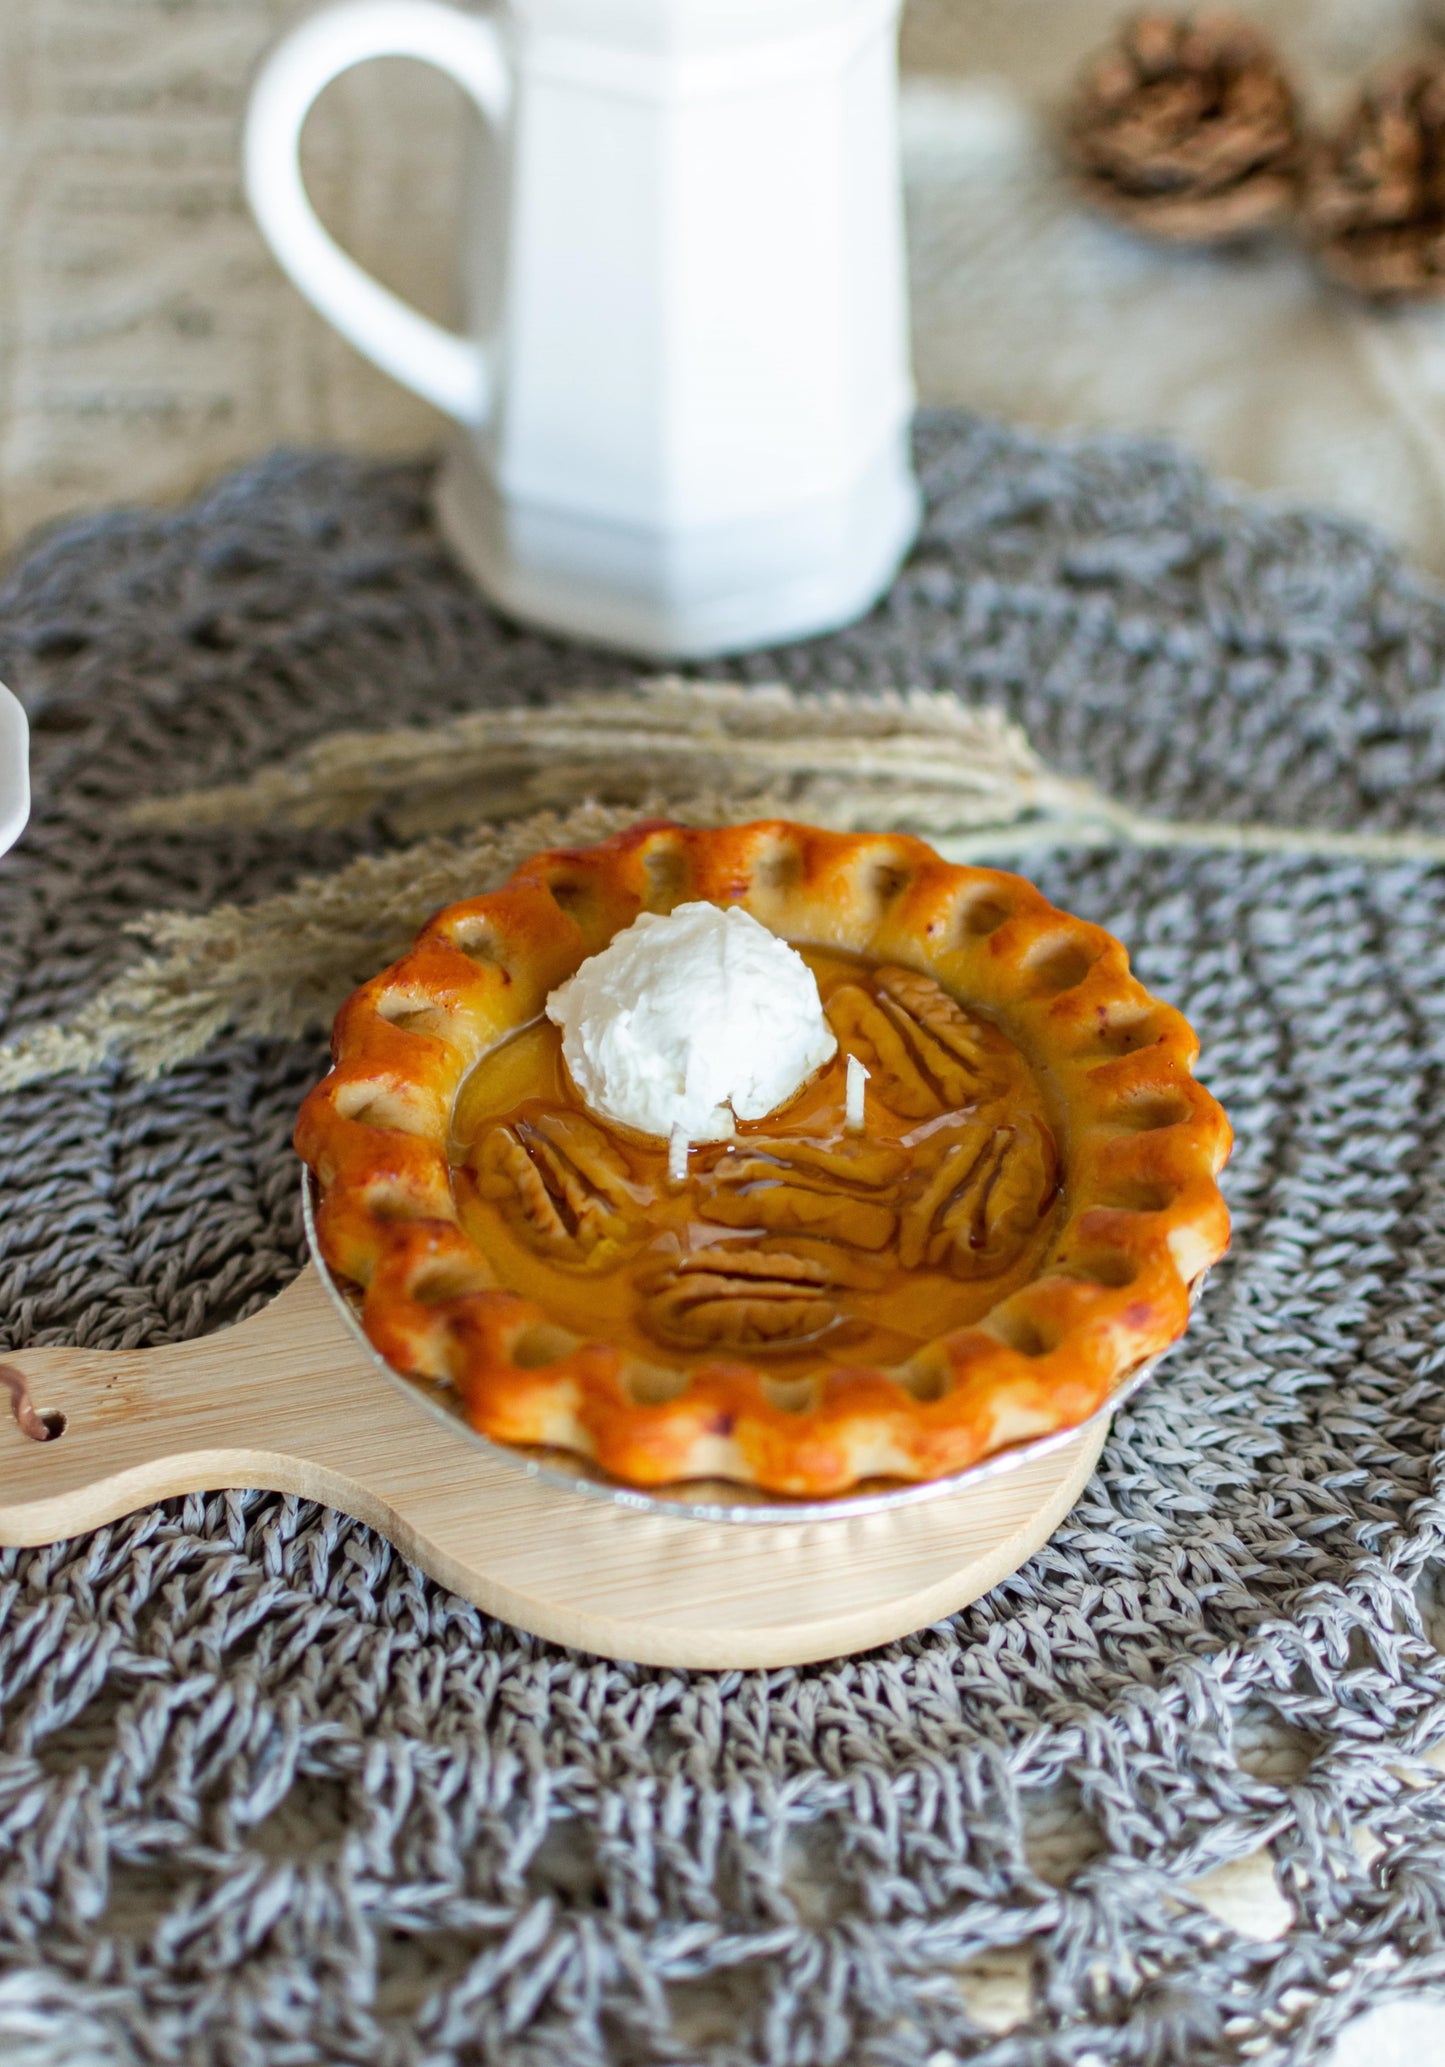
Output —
<point x="269" y="1797"/>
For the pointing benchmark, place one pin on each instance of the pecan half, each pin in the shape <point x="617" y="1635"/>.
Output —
<point x="815" y="1187"/>
<point x="749" y="1296"/>
<point x="925" y="1054"/>
<point x="563" y="1186"/>
<point x="983" y="1201"/>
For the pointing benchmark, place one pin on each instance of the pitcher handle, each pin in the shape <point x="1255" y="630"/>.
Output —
<point x="453" y="372"/>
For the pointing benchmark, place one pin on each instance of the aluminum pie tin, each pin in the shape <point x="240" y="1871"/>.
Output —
<point x="701" y="1500"/>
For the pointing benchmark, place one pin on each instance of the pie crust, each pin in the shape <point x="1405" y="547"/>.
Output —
<point x="1139" y="1220"/>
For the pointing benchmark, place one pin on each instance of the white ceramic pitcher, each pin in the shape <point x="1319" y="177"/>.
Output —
<point x="688" y="430"/>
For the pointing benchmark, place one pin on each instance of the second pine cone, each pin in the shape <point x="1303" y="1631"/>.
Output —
<point x="1376" y="195"/>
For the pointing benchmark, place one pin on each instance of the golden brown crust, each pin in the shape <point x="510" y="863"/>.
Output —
<point x="1141" y="1142"/>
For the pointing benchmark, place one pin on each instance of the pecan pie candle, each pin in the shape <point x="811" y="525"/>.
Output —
<point x="592" y="1154"/>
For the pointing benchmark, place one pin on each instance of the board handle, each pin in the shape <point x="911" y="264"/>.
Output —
<point x="87" y="1435"/>
<point x="290" y="1400"/>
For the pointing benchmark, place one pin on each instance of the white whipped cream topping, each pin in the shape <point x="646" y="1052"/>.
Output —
<point x="690" y="1022"/>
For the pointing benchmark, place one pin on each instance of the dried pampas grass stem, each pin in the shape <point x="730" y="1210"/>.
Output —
<point x="282" y="966"/>
<point x="904" y="761"/>
<point x="520" y="780"/>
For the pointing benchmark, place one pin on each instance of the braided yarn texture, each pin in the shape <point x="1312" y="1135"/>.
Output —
<point x="269" y="1796"/>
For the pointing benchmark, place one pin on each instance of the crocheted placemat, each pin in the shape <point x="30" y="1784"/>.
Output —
<point x="266" y="1795"/>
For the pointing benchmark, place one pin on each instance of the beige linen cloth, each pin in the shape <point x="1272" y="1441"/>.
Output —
<point x="147" y="341"/>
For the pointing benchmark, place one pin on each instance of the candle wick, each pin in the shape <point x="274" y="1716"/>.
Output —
<point x="853" y="1095"/>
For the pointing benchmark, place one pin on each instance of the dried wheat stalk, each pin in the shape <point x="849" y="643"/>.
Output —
<point x="911" y="762"/>
<point x="282" y="966"/>
<point x="528" y="779"/>
<point x="907" y="762"/>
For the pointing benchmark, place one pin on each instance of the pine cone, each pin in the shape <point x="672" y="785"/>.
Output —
<point x="1186" y="129"/>
<point x="1375" y="198"/>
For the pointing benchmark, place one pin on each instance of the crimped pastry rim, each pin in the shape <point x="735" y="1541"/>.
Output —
<point x="1142" y="1144"/>
<point x="683" y="1499"/>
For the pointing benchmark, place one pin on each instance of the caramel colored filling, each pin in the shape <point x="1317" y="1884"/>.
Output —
<point x="798" y="1240"/>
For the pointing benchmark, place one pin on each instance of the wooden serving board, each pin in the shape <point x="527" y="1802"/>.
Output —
<point x="291" y="1401"/>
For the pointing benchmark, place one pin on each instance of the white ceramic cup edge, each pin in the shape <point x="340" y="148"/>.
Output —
<point x="14" y="769"/>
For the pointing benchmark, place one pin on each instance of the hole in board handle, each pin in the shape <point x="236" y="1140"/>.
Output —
<point x="45" y="1427"/>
